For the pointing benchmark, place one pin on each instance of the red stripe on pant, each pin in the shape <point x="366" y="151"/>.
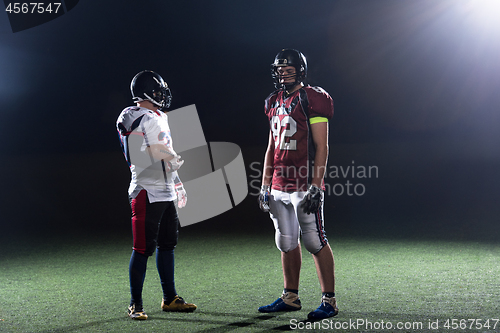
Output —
<point x="321" y="227"/>
<point x="138" y="205"/>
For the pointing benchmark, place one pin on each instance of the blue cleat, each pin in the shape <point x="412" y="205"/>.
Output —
<point x="287" y="302"/>
<point x="328" y="308"/>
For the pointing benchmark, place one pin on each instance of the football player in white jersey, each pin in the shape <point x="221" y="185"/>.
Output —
<point x="292" y="183"/>
<point x="154" y="189"/>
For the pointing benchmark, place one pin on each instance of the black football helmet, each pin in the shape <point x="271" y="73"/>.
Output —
<point x="149" y="86"/>
<point x="289" y="57"/>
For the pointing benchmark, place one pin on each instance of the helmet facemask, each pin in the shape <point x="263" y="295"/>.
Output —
<point x="161" y="97"/>
<point x="278" y="77"/>
<point x="289" y="57"/>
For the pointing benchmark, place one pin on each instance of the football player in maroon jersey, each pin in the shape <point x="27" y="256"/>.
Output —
<point x="293" y="180"/>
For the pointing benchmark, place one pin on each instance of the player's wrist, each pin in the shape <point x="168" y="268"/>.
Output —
<point x="264" y="198"/>
<point x="313" y="189"/>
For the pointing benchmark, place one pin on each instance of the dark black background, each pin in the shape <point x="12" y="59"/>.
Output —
<point x="415" y="86"/>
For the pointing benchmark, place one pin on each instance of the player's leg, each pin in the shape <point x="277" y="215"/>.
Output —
<point x="291" y="262"/>
<point x="145" y="217"/>
<point x="137" y="273"/>
<point x="316" y="242"/>
<point x="287" y="241"/>
<point x="325" y="267"/>
<point x="165" y="261"/>
<point x="167" y="241"/>
<point x="287" y="234"/>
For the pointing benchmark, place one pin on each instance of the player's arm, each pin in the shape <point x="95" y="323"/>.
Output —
<point x="320" y="110"/>
<point x="179" y="190"/>
<point x="267" y="173"/>
<point x="314" y="196"/>
<point x="320" y="138"/>
<point x="171" y="161"/>
<point x="161" y="152"/>
<point x="151" y="129"/>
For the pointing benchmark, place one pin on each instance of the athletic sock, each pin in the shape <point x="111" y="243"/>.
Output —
<point x="286" y="290"/>
<point x="137" y="273"/>
<point x="165" y="266"/>
<point x="329" y="295"/>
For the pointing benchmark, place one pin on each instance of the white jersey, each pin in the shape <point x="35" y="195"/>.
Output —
<point x="139" y="128"/>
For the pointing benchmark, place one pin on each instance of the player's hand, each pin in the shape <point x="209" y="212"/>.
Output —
<point x="312" y="200"/>
<point x="174" y="164"/>
<point x="264" y="198"/>
<point x="181" y="195"/>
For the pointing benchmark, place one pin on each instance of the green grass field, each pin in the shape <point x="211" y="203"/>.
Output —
<point x="82" y="286"/>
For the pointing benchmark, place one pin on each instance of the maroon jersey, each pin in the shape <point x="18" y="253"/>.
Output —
<point x="294" y="150"/>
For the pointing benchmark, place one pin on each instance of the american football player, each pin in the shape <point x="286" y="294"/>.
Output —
<point x="154" y="189"/>
<point x="293" y="180"/>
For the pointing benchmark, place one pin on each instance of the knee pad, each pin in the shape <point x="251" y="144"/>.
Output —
<point x="286" y="243"/>
<point x="313" y="243"/>
<point x="149" y="249"/>
<point x="167" y="245"/>
<point x="168" y="241"/>
<point x="314" y="248"/>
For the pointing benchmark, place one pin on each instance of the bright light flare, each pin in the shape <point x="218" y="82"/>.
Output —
<point x="484" y="14"/>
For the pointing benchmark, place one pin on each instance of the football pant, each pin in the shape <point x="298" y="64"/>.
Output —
<point x="291" y="222"/>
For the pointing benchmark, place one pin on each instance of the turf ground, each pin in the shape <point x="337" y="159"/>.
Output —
<point x="82" y="286"/>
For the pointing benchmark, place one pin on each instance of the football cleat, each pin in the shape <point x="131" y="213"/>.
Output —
<point x="287" y="302"/>
<point x="137" y="314"/>
<point x="178" y="304"/>
<point x="328" y="308"/>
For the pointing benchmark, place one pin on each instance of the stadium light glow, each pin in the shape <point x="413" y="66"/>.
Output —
<point x="484" y="14"/>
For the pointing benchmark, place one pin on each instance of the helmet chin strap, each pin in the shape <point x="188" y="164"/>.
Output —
<point x="160" y="105"/>
<point x="287" y="87"/>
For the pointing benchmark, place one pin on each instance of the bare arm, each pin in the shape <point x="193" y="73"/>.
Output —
<point x="267" y="174"/>
<point x="320" y="138"/>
